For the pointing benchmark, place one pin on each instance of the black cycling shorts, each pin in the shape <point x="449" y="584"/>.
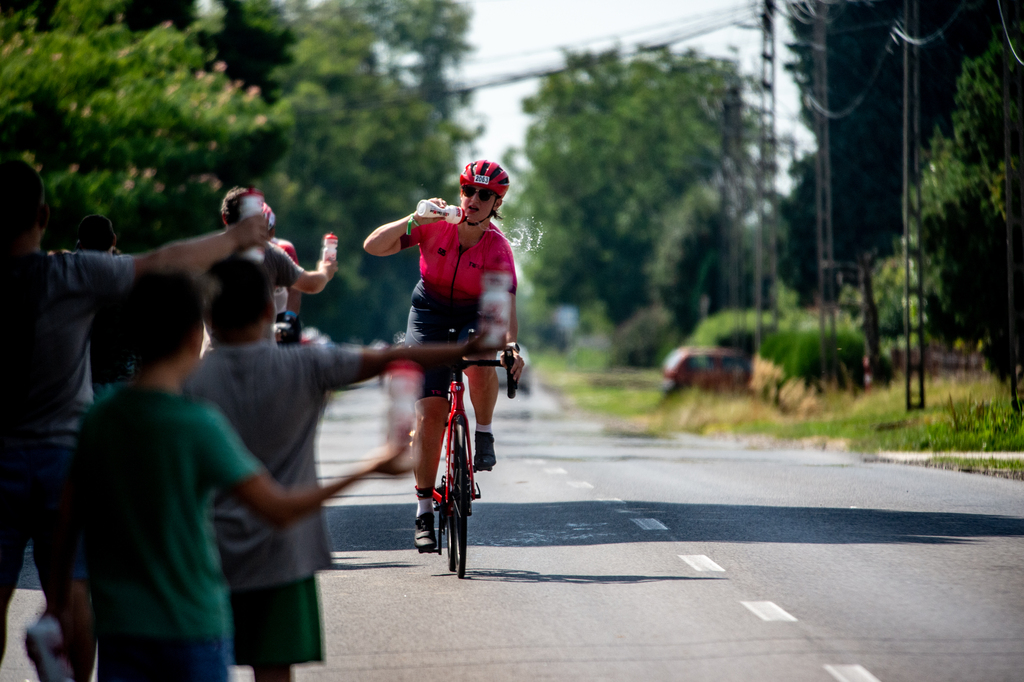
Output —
<point x="431" y="321"/>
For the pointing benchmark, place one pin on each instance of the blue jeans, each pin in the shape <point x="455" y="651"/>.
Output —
<point x="123" y="658"/>
<point x="31" y="483"/>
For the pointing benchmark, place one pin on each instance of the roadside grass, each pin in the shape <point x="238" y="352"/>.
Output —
<point x="961" y="416"/>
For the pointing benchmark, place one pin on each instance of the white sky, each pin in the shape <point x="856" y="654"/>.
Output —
<point x="509" y="36"/>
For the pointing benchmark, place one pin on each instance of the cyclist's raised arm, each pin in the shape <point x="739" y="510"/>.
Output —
<point x="386" y="239"/>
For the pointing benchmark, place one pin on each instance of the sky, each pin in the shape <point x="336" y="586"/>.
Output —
<point x="510" y="36"/>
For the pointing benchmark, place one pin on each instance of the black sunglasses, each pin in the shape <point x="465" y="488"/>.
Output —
<point x="485" y="194"/>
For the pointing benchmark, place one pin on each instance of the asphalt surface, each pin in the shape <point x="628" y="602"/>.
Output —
<point x="602" y="556"/>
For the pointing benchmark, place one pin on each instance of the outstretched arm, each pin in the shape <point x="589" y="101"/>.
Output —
<point x="313" y="282"/>
<point x="428" y="355"/>
<point x="199" y="253"/>
<point x="283" y="507"/>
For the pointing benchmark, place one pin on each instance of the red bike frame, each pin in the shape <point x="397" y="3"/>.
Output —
<point x="443" y="498"/>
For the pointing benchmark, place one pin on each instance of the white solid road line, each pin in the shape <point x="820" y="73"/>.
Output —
<point x="766" y="610"/>
<point x="699" y="562"/>
<point x="579" y="484"/>
<point x="650" y="524"/>
<point x="556" y="470"/>
<point x="850" y="673"/>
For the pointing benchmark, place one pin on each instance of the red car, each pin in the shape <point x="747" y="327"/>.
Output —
<point x="716" y="369"/>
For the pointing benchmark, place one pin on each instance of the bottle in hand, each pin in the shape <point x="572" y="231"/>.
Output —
<point x="405" y="387"/>
<point x="495" y="307"/>
<point x="450" y="214"/>
<point x="330" y="248"/>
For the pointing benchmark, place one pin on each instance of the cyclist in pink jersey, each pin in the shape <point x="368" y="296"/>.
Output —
<point x="453" y="259"/>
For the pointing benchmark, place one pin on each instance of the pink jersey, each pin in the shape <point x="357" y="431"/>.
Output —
<point x="451" y="276"/>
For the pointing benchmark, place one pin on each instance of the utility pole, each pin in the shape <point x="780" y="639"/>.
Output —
<point x="823" y="197"/>
<point x="732" y="202"/>
<point x="1013" y="146"/>
<point x="767" y="199"/>
<point x="913" y="283"/>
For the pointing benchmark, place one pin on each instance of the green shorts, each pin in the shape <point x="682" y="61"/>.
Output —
<point x="278" y="625"/>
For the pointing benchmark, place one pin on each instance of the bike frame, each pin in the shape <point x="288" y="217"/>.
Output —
<point x="456" y="400"/>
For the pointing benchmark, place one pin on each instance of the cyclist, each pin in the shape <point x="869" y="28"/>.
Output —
<point x="452" y="261"/>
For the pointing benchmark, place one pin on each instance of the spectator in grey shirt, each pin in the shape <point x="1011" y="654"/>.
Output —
<point x="45" y="371"/>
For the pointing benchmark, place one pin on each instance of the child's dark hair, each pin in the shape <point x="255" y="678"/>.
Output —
<point x="243" y="294"/>
<point x="95" y="233"/>
<point x="161" y="311"/>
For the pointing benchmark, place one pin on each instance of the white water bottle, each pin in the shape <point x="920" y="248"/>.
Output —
<point x="450" y="214"/>
<point x="495" y="308"/>
<point x="330" y="249"/>
<point x="44" y="642"/>
<point x="251" y="203"/>
<point x="405" y="387"/>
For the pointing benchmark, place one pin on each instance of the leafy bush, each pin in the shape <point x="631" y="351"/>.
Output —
<point x="978" y="425"/>
<point x="799" y="355"/>
<point x="643" y="339"/>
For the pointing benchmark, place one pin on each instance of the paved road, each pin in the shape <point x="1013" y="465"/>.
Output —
<point x="597" y="556"/>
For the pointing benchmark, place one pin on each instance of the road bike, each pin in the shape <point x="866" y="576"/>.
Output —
<point x="453" y="499"/>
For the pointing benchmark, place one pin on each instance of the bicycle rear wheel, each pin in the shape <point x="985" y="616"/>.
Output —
<point x="462" y="497"/>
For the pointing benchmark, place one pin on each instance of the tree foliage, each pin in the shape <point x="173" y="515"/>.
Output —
<point x="616" y="144"/>
<point x="365" y="147"/>
<point x="867" y="144"/>
<point x="963" y="214"/>
<point x="127" y="123"/>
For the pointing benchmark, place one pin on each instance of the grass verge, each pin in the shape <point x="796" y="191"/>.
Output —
<point x="962" y="416"/>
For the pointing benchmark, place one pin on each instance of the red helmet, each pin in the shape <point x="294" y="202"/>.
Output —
<point x="486" y="174"/>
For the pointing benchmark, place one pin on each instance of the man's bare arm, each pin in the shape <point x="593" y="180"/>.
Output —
<point x="199" y="253"/>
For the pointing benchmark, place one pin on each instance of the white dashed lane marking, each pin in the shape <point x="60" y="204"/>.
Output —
<point x="556" y="470"/>
<point x="579" y="484"/>
<point x="610" y="499"/>
<point x="766" y="610"/>
<point x="699" y="562"/>
<point x="650" y="524"/>
<point x="850" y="673"/>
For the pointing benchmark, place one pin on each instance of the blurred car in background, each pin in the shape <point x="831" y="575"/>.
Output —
<point x="713" y="369"/>
<point x="525" y="379"/>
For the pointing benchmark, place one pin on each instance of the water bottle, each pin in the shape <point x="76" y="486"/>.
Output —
<point x="405" y="387"/>
<point x="330" y="249"/>
<point x="44" y="642"/>
<point x="495" y="308"/>
<point x="251" y="203"/>
<point x="450" y="214"/>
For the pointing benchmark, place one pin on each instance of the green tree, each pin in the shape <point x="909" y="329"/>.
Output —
<point x="364" y="149"/>
<point x="253" y="41"/>
<point x="127" y="123"/>
<point x="684" y="267"/>
<point x="867" y="144"/>
<point x="963" y="214"/>
<point x="615" y="145"/>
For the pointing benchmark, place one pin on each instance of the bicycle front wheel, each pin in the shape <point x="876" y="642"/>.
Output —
<point x="462" y="499"/>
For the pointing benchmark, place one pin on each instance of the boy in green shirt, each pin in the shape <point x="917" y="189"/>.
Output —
<point x="141" y="486"/>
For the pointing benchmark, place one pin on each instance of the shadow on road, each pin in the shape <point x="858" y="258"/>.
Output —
<point x="387" y="527"/>
<point x="390" y="527"/>
<point x="509" y="576"/>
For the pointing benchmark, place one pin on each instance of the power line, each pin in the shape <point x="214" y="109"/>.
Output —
<point x="920" y="42"/>
<point x="999" y="5"/>
<point x="618" y="36"/>
<point x="859" y="99"/>
<point x="551" y="70"/>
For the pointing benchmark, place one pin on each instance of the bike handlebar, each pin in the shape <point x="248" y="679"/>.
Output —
<point x="508" y="358"/>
